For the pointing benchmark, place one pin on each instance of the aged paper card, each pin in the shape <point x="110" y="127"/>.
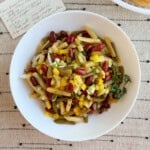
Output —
<point x="20" y="15"/>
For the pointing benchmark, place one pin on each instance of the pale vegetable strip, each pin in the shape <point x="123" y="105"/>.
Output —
<point x="68" y="107"/>
<point x="46" y="44"/>
<point x="90" y="32"/>
<point x="111" y="49"/>
<point x="88" y="40"/>
<point x="39" y="79"/>
<point x="63" y="45"/>
<point x="58" y="92"/>
<point x="37" y="89"/>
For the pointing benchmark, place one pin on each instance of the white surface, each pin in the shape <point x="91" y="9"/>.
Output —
<point x="31" y="109"/>
<point x="139" y="9"/>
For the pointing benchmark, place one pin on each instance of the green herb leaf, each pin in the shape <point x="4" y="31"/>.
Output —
<point x="126" y="79"/>
<point x="117" y="91"/>
<point x="117" y="76"/>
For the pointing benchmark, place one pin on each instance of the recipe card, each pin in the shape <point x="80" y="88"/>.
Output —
<point x="19" y="15"/>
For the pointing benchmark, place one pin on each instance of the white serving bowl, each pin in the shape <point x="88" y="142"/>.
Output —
<point x="131" y="7"/>
<point x="32" y="110"/>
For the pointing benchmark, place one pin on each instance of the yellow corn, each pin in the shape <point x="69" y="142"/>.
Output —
<point x="76" y="110"/>
<point x="63" y="82"/>
<point x="95" y="58"/>
<point x="56" y="72"/>
<point x="81" y="101"/>
<point x="83" y="86"/>
<point x="62" y="51"/>
<point x="100" y="81"/>
<point x="100" y="85"/>
<point x="82" y="98"/>
<point x="101" y="88"/>
<point x="77" y="80"/>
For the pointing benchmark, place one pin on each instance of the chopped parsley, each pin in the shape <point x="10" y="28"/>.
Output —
<point x="126" y="79"/>
<point x="118" y="88"/>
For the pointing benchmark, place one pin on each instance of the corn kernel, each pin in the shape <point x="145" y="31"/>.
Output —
<point x="56" y="72"/>
<point x="94" y="58"/>
<point x="48" y="105"/>
<point x="83" y="86"/>
<point x="100" y="81"/>
<point x="76" y="110"/>
<point x="81" y="104"/>
<point x="77" y="80"/>
<point x="101" y="88"/>
<point x="62" y="51"/>
<point x="63" y="82"/>
<point x="82" y="98"/>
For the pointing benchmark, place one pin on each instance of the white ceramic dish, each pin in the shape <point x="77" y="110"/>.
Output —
<point x="31" y="109"/>
<point x="139" y="9"/>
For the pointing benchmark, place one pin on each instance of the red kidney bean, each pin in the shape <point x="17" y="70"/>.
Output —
<point x="85" y="34"/>
<point x="65" y="103"/>
<point x="71" y="38"/>
<point x="84" y="92"/>
<point x="61" y="57"/>
<point x="89" y="80"/>
<point x="34" y="81"/>
<point x="32" y="69"/>
<point x="50" y="110"/>
<point x="49" y="95"/>
<point x="80" y="71"/>
<point x="88" y="47"/>
<point x="71" y="53"/>
<point x="69" y="87"/>
<point x="44" y="69"/>
<point x="106" y="104"/>
<point x="48" y="81"/>
<point x="105" y="66"/>
<point x="108" y="78"/>
<point x="75" y="101"/>
<point x="95" y="94"/>
<point x="98" y="47"/>
<point x="63" y="34"/>
<point x="52" y="37"/>
<point x="91" y="111"/>
<point x="102" y="109"/>
<point x="88" y="55"/>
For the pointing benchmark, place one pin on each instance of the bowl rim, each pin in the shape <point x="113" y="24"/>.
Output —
<point x="131" y="7"/>
<point x="137" y="60"/>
